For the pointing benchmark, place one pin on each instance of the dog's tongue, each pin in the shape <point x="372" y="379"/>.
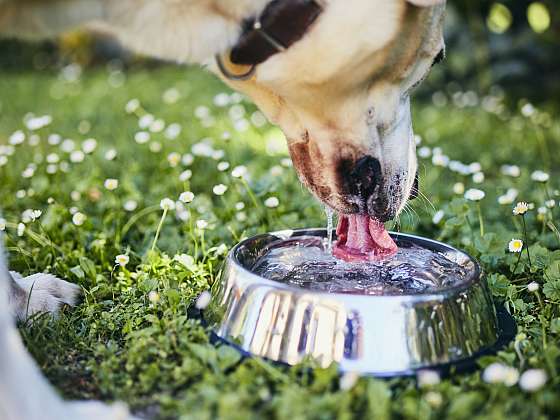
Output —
<point x="362" y="238"/>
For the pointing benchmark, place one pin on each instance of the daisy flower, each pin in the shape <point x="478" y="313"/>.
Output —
<point x="515" y="245"/>
<point x="540" y="176"/>
<point x="459" y="188"/>
<point x="130" y="205"/>
<point x="186" y="197"/>
<point x="533" y="287"/>
<point x="167" y="204"/>
<point x="474" y="194"/>
<point x="121" y="259"/>
<point x="497" y="373"/>
<point x="174" y="159"/>
<point x="89" y="146"/>
<point x="520" y="208"/>
<point x="78" y="219"/>
<point x="142" y="137"/>
<point x="239" y="171"/>
<point x="438" y="216"/>
<point x="132" y="106"/>
<point x="219" y="189"/>
<point x="111" y="184"/>
<point x="426" y="378"/>
<point x="153" y="297"/>
<point x="110" y="154"/>
<point x="271" y="202"/>
<point x="223" y="166"/>
<point x="532" y="380"/>
<point x="185" y="175"/>
<point x="203" y="300"/>
<point x="348" y="380"/>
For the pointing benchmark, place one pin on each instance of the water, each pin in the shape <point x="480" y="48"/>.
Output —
<point x="306" y="262"/>
<point x="329" y="213"/>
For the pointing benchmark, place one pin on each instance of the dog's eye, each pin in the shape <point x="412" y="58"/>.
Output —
<point x="439" y="57"/>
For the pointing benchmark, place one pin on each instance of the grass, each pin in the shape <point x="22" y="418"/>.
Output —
<point x="133" y="337"/>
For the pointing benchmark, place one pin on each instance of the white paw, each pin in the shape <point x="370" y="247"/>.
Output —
<point x="43" y="293"/>
<point x="97" y="410"/>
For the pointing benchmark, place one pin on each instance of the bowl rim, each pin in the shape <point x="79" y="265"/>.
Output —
<point x="474" y="277"/>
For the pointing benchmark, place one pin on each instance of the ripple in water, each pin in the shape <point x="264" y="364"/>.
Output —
<point x="304" y="262"/>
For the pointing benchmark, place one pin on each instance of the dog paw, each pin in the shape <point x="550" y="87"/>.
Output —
<point x="97" y="410"/>
<point x="43" y="293"/>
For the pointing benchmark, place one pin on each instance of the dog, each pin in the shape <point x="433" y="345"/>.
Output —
<point x="334" y="75"/>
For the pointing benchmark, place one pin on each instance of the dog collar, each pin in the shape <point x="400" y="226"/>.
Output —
<point x="281" y="24"/>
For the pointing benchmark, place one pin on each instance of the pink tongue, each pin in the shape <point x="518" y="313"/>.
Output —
<point x="361" y="238"/>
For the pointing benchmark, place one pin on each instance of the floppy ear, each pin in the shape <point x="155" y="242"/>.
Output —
<point x="426" y="3"/>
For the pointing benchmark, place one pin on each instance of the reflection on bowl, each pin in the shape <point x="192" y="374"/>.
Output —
<point x="380" y="334"/>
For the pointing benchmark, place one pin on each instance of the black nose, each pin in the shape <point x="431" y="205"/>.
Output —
<point x="365" y="177"/>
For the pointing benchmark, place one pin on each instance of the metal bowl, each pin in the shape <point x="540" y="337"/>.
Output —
<point x="379" y="335"/>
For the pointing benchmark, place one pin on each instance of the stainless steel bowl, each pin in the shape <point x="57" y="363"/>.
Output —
<point x="379" y="335"/>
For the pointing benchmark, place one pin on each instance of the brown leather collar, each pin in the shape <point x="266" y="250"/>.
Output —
<point x="280" y="25"/>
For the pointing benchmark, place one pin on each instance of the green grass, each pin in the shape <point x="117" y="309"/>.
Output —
<point x="120" y="344"/>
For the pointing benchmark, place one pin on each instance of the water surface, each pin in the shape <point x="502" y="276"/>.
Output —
<point x="306" y="262"/>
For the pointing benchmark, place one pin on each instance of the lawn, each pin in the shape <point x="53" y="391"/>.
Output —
<point x="165" y="130"/>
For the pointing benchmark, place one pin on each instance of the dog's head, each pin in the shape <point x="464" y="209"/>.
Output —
<point x="341" y="96"/>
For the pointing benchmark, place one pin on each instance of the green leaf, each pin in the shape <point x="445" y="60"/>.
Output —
<point x="498" y="284"/>
<point x="551" y="290"/>
<point x="553" y="271"/>
<point x="555" y="326"/>
<point x="88" y="266"/>
<point x="465" y="405"/>
<point x="379" y="400"/>
<point x="78" y="272"/>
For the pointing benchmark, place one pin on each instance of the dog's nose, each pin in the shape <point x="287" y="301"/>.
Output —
<point x="365" y="177"/>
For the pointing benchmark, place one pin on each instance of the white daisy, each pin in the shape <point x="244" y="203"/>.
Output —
<point x="223" y="166"/>
<point x="111" y="184"/>
<point x="185" y="175"/>
<point x="515" y="245"/>
<point x="174" y="159"/>
<point x="533" y="286"/>
<point x="89" y="146"/>
<point x="474" y="194"/>
<point x="239" y="171"/>
<point x="122" y="260"/>
<point x="201" y="224"/>
<point x="132" y="106"/>
<point x="271" y="202"/>
<point x="520" y="208"/>
<point x="540" y="176"/>
<point x="203" y="300"/>
<point x="186" y="197"/>
<point x="153" y="297"/>
<point x="426" y="378"/>
<point x="167" y="204"/>
<point x="130" y="205"/>
<point x="532" y="380"/>
<point x="78" y="219"/>
<point x="219" y="189"/>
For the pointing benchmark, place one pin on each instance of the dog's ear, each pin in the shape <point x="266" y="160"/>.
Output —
<point x="426" y="3"/>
